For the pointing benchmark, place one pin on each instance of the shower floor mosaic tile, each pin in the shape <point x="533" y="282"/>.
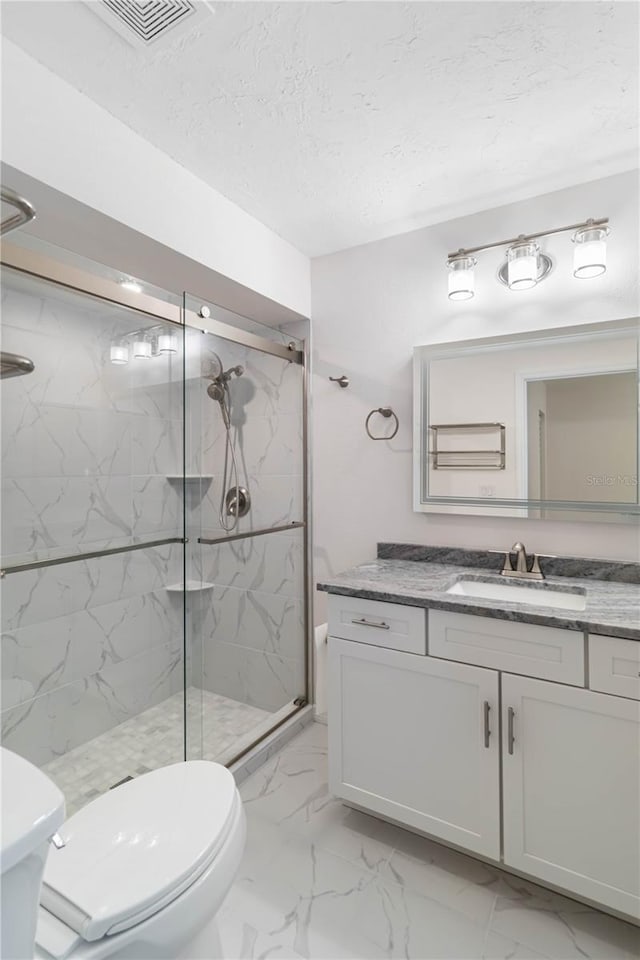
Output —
<point x="320" y="880"/>
<point x="152" y="739"/>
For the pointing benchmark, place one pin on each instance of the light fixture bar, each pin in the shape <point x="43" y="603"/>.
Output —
<point x="467" y="251"/>
<point x="143" y="331"/>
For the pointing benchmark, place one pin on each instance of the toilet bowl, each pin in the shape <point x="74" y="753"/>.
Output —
<point x="144" y="869"/>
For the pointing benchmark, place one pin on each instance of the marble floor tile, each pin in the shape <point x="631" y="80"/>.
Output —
<point x="567" y="932"/>
<point x="320" y="880"/>
<point x="405" y="924"/>
<point x="303" y="901"/>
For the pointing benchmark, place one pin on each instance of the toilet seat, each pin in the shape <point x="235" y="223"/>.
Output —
<point x="134" y="850"/>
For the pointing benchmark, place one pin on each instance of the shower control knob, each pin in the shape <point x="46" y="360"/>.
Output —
<point x="237" y="502"/>
<point x="204" y="312"/>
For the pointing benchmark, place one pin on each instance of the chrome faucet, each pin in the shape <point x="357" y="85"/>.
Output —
<point x="521" y="568"/>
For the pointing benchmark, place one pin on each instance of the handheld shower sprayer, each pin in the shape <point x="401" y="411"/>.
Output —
<point x="218" y="390"/>
<point x="235" y="500"/>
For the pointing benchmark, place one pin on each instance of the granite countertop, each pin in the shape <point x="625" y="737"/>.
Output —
<point x="612" y="607"/>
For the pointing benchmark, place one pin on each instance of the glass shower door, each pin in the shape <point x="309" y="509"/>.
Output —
<point x="92" y="537"/>
<point x="246" y="613"/>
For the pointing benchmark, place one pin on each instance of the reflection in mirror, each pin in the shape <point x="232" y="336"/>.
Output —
<point x="582" y="438"/>
<point x="530" y="424"/>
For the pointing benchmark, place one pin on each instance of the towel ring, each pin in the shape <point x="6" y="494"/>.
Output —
<point x="385" y="412"/>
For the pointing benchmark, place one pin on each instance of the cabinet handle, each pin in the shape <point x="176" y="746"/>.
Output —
<point x="510" y="735"/>
<point x="487" y="730"/>
<point x="369" y="623"/>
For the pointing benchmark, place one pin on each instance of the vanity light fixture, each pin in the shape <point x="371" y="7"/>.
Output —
<point x="119" y="352"/>
<point x="143" y="344"/>
<point x="522" y="265"/>
<point x="142" y="348"/>
<point x="525" y="264"/>
<point x="167" y="343"/>
<point x="590" y="252"/>
<point x="461" y="277"/>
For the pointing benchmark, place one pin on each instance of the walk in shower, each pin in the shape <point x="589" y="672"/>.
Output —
<point x="154" y="537"/>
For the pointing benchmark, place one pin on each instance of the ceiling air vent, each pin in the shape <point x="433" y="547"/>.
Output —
<point x="145" y="22"/>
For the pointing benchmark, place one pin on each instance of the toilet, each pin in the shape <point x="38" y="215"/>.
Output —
<point x="138" y="874"/>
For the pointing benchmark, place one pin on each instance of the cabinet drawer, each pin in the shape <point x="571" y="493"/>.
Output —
<point x="526" y="648"/>
<point x="614" y="666"/>
<point x="378" y="623"/>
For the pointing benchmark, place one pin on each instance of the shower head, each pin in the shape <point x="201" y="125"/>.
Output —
<point x="232" y="371"/>
<point x="212" y="367"/>
<point x="216" y="391"/>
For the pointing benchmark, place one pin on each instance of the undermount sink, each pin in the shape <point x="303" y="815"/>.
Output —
<point x="540" y="595"/>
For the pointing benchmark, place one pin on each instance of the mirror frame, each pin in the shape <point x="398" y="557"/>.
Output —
<point x="498" y="507"/>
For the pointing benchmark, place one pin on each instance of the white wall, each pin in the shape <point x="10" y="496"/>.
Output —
<point x="52" y="132"/>
<point x="372" y="304"/>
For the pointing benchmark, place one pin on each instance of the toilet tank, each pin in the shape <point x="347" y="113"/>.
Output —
<point x="32" y="811"/>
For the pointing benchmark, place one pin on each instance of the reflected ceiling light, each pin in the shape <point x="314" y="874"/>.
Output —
<point x="142" y="349"/>
<point x="143" y="344"/>
<point x="119" y="352"/>
<point x="525" y="264"/>
<point x="167" y="343"/>
<point x="590" y="251"/>
<point x="128" y="283"/>
<point x="461" y="277"/>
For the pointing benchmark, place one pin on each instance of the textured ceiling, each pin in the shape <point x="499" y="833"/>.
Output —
<point x="340" y="123"/>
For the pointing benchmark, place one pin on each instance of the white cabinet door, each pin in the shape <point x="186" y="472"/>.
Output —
<point x="571" y="779"/>
<point x="416" y="740"/>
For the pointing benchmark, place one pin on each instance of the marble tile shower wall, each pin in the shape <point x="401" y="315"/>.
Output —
<point x="86" y="450"/>
<point x="250" y="642"/>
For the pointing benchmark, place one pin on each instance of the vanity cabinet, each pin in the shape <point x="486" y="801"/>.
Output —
<point x="535" y="772"/>
<point x="571" y="789"/>
<point x="393" y="625"/>
<point x="416" y="740"/>
<point x="614" y="666"/>
<point x="527" y="648"/>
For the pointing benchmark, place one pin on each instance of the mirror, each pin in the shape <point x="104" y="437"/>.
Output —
<point x="540" y="425"/>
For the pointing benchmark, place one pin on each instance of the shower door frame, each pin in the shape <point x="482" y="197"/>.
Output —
<point x="43" y="267"/>
<point x="288" y="352"/>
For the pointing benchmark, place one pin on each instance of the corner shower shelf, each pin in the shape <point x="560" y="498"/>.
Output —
<point x="189" y="586"/>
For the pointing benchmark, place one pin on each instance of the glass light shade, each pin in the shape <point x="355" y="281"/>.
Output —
<point x="461" y="278"/>
<point x="119" y="353"/>
<point x="167" y="343"/>
<point x="590" y="252"/>
<point x="522" y="266"/>
<point x="142" y="349"/>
